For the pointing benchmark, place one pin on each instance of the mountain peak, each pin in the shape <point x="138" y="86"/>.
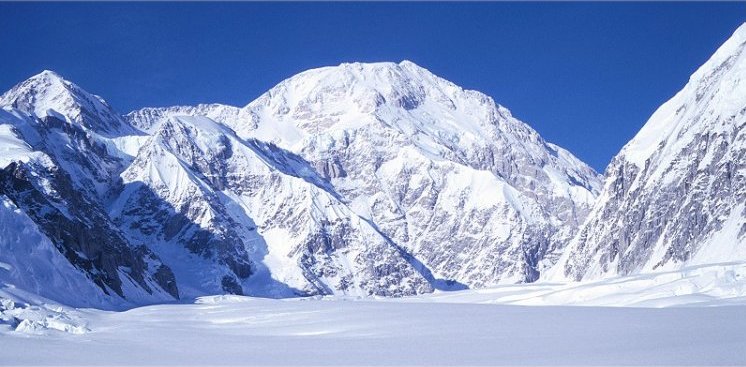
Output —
<point x="741" y="31"/>
<point x="371" y="74"/>
<point x="406" y="62"/>
<point x="362" y="88"/>
<point x="48" y="75"/>
<point x="49" y="94"/>
<point x="378" y="65"/>
<point x="45" y="81"/>
<point x="725" y="55"/>
<point x="715" y="89"/>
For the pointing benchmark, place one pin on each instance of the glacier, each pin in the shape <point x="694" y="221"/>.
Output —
<point x="471" y="327"/>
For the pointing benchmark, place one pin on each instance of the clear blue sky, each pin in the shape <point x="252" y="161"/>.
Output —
<point x="585" y="75"/>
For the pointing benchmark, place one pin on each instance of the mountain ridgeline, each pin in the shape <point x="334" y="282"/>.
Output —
<point x="360" y="179"/>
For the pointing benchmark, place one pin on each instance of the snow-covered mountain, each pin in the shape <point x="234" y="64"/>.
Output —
<point x="363" y="179"/>
<point x="358" y="179"/>
<point x="445" y="174"/>
<point x="48" y="94"/>
<point x="675" y="195"/>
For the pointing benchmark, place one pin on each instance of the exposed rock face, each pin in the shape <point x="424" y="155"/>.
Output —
<point x="81" y="231"/>
<point x="675" y="194"/>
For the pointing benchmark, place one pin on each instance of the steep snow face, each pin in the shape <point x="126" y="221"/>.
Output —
<point x="675" y="194"/>
<point x="255" y="217"/>
<point x="165" y="203"/>
<point x="48" y="94"/>
<point x="478" y="196"/>
<point x="13" y="148"/>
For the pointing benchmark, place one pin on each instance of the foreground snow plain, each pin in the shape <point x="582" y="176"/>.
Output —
<point x="688" y="317"/>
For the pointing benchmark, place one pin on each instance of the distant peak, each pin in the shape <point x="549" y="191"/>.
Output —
<point x="725" y="56"/>
<point x="403" y="63"/>
<point x="359" y="69"/>
<point x="49" y="94"/>
<point x="47" y="80"/>
<point x="741" y="31"/>
<point x="374" y="66"/>
<point x="410" y="65"/>
<point x="49" y="73"/>
<point x="738" y="39"/>
<point x="366" y="87"/>
<point x="376" y="75"/>
<point x="48" y="77"/>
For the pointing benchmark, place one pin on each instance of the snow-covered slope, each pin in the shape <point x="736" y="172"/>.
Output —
<point x="701" y="285"/>
<point x="450" y="177"/>
<point x="675" y="194"/>
<point x="234" y="330"/>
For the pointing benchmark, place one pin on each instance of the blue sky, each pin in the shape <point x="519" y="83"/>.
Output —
<point x="585" y="75"/>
